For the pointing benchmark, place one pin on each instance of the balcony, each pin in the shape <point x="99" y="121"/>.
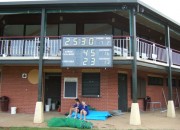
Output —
<point x="27" y="48"/>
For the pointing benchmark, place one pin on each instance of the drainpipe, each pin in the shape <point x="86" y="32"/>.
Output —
<point x="39" y="111"/>
<point x="170" y="107"/>
<point x="135" y="114"/>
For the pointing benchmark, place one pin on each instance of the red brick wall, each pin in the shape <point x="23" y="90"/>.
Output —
<point x="22" y="94"/>
<point x="108" y="90"/>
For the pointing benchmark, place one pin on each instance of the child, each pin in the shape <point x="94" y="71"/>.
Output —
<point x="77" y="107"/>
<point x="84" y="111"/>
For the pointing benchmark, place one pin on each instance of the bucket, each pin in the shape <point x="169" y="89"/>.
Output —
<point x="49" y="103"/>
<point x="13" y="110"/>
<point x="47" y="108"/>
<point x="53" y="106"/>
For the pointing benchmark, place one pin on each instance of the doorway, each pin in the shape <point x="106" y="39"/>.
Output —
<point x="122" y="92"/>
<point x="52" y="93"/>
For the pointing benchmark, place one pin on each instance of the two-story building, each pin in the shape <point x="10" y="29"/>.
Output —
<point x="110" y="53"/>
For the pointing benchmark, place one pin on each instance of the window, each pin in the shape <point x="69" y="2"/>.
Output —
<point x="13" y="30"/>
<point x="70" y="87"/>
<point x="173" y="82"/>
<point x="67" y="29"/>
<point x="141" y="88"/>
<point x="155" y="81"/>
<point x="91" y="84"/>
<point x="0" y="81"/>
<point x="33" y="30"/>
<point x="98" y="29"/>
<point x="52" y="30"/>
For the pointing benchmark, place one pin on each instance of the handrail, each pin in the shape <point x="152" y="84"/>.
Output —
<point x="151" y="42"/>
<point x="25" y="37"/>
<point x="175" y="50"/>
<point x="49" y="36"/>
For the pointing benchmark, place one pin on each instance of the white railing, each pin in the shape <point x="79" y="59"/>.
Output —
<point x="19" y="47"/>
<point x="151" y="51"/>
<point x="52" y="47"/>
<point x="29" y="47"/>
<point x="122" y="46"/>
<point x="175" y="57"/>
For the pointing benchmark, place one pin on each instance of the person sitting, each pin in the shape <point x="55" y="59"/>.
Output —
<point x="84" y="111"/>
<point x="77" y="107"/>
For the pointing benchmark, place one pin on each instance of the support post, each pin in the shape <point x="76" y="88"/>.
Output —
<point x="135" y="114"/>
<point x="39" y="113"/>
<point x="170" y="108"/>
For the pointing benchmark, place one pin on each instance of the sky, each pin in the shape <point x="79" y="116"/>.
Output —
<point x="170" y="8"/>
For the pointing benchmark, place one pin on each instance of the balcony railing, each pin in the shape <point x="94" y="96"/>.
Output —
<point x="151" y="51"/>
<point x="18" y="47"/>
<point x="29" y="47"/>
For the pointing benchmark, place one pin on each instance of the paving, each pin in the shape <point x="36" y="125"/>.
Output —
<point x="156" y="120"/>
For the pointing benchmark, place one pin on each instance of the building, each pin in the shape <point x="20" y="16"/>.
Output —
<point x="145" y="53"/>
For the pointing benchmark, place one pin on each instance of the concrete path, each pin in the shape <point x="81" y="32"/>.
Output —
<point x="150" y="120"/>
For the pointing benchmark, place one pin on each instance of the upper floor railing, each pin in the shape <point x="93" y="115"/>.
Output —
<point x="151" y="51"/>
<point x="29" y="47"/>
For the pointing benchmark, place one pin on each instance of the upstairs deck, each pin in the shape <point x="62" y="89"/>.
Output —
<point x="27" y="48"/>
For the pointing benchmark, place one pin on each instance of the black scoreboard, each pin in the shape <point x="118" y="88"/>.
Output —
<point x="86" y="51"/>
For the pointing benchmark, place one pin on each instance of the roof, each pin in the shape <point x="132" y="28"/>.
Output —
<point x="26" y="2"/>
<point x="156" y="14"/>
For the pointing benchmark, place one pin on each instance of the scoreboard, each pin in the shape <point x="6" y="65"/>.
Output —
<point x="86" y="51"/>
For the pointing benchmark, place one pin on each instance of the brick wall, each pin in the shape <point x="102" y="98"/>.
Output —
<point x="108" y="92"/>
<point x="23" y="94"/>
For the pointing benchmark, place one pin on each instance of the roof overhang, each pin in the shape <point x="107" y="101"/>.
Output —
<point x="94" y="4"/>
<point x="31" y="2"/>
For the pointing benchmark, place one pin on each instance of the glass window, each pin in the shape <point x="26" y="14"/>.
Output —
<point x="70" y="87"/>
<point x="155" y="81"/>
<point x="100" y="29"/>
<point x="117" y="32"/>
<point x="91" y="84"/>
<point x="13" y="30"/>
<point x="67" y="29"/>
<point x="33" y="30"/>
<point x="52" y="30"/>
<point x="173" y="82"/>
<point x="0" y="81"/>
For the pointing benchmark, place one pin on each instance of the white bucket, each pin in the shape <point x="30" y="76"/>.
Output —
<point x="13" y="110"/>
<point x="53" y="106"/>
<point x="47" y="108"/>
<point x="49" y="103"/>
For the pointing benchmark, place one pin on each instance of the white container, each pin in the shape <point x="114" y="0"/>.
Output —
<point x="47" y="108"/>
<point x="49" y="103"/>
<point x="13" y="110"/>
<point x="53" y="106"/>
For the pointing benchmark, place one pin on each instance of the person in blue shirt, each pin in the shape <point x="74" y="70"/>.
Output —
<point x="84" y="111"/>
<point x="77" y="107"/>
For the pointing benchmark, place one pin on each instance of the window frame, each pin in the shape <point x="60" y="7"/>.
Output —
<point x="155" y="84"/>
<point x="71" y="79"/>
<point x="99" y="85"/>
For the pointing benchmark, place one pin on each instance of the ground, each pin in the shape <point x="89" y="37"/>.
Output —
<point x="149" y="120"/>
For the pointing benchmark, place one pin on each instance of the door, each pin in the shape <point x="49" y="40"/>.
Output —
<point x="122" y="92"/>
<point x="53" y="88"/>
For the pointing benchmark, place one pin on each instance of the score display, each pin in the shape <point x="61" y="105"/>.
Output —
<point x="86" y="51"/>
<point x="87" y="57"/>
<point x="87" y="41"/>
